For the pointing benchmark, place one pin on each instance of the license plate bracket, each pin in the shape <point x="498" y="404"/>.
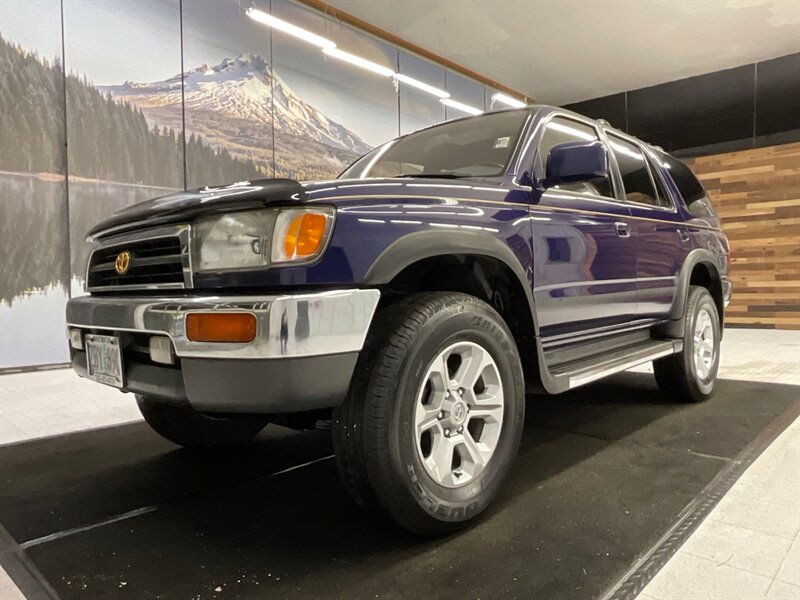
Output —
<point x="104" y="359"/>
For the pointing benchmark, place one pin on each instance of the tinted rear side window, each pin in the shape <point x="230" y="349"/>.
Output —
<point x="697" y="201"/>
<point x="635" y="173"/>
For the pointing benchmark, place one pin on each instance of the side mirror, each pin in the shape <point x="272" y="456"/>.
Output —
<point x="575" y="161"/>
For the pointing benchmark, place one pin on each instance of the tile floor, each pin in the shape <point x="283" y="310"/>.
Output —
<point x="749" y="547"/>
<point x="9" y="591"/>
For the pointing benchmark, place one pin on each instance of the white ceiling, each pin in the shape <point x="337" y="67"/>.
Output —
<point x="565" y="51"/>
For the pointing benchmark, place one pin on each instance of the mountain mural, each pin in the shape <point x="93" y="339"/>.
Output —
<point x="235" y="104"/>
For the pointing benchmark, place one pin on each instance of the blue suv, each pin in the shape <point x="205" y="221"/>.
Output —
<point x="411" y="303"/>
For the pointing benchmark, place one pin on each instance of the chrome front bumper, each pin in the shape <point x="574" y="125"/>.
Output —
<point x="302" y="358"/>
<point x="330" y="322"/>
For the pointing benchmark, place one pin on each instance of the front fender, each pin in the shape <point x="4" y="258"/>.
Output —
<point x="372" y="241"/>
<point x="421" y="245"/>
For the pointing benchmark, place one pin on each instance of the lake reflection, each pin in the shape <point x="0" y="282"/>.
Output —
<point x="35" y="269"/>
<point x="91" y="202"/>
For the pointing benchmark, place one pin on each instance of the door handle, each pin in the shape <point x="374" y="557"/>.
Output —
<point x="623" y="229"/>
<point x="684" y="235"/>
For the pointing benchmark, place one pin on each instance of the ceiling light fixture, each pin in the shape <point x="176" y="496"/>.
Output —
<point x="358" y="61"/>
<point x="293" y="30"/>
<point x="422" y="86"/>
<point x="506" y="99"/>
<point x="462" y="107"/>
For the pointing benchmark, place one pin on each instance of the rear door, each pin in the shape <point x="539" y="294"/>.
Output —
<point x="583" y="249"/>
<point x="662" y="240"/>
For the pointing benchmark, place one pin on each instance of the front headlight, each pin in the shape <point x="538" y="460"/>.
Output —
<point x="257" y="238"/>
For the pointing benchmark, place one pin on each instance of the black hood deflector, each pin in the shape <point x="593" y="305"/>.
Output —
<point x="185" y="206"/>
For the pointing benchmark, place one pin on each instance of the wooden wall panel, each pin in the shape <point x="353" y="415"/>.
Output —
<point x="757" y="195"/>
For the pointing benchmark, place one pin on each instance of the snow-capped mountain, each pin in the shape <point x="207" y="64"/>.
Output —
<point x="246" y="88"/>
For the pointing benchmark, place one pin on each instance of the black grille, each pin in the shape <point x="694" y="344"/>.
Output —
<point x="153" y="262"/>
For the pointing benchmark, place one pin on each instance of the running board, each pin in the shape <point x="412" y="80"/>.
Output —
<point x="621" y="360"/>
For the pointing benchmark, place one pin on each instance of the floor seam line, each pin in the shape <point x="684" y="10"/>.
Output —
<point x="719" y="520"/>
<point x="83" y="528"/>
<point x="140" y="511"/>
<point x="632" y="443"/>
<point x="700" y="556"/>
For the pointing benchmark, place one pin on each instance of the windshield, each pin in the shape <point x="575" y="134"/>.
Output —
<point x="475" y="147"/>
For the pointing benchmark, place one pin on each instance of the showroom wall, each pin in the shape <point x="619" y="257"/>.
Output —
<point x="251" y="103"/>
<point x="757" y="195"/>
<point x="738" y="129"/>
<point x="751" y="106"/>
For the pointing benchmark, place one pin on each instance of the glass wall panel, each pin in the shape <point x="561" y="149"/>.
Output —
<point x="228" y="93"/>
<point x="124" y="110"/>
<point x="420" y="108"/>
<point x="34" y="277"/>
<point x="254" y="101"/>
<point x="464" y="90"/>
<point x="328" y="111"/>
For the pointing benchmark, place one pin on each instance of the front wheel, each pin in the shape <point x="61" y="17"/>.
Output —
<point x="189" y="428"/>
<point x="435" y="414"/>
<point x="690" y="376"/>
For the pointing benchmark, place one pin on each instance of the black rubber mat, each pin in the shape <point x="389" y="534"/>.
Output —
<point x="602" y="473"/>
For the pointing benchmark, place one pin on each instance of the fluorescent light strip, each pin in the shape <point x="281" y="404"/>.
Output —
<point x="625" y="150"/>
<point x="462" y="107"/>
<point x="329" y="48"/>
<point x="421" y="85"/>
<point x="358" y="61"/>
<point x="506" y="99"/>
<point x="293" y="30"/>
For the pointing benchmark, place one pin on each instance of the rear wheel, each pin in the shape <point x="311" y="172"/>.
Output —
<point x="189" y="428"/>
<point x="435" y="414"/>
<point x="690" y="375"/>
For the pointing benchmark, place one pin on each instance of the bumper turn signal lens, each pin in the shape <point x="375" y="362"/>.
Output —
<point x="76" y="338"/>
<point x="221" y="327"/>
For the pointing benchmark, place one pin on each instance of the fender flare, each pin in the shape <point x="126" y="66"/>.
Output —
<point x="422" y="245"/>
<point x="675" y="327"/>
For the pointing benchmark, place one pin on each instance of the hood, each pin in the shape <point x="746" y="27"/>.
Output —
<point x="181" y="206"/>
<point x="185" y="206"/>
<point x="418" y="186"/>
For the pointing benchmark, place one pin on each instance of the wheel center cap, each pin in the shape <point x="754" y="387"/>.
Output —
<point x="459" y="412"/>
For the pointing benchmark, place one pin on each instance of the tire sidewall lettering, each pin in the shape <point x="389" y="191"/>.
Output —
<point x="456" y="323"/>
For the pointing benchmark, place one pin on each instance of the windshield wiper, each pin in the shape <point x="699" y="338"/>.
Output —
<point x="432" y="175"/>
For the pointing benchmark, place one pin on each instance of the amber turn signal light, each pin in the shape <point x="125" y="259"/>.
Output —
<point x="304" y="235"/>
<point x="221" y="327"/>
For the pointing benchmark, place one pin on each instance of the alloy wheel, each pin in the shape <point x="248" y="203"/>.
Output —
<point x="458" y="414"/>
<point x="704" y="351"/>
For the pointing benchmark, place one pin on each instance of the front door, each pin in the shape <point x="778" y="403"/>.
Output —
<point x="583" y="248"/>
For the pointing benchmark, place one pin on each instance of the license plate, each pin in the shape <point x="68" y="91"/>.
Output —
<point x="104" y="359"/>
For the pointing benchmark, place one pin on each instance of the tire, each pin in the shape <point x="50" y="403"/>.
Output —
<point x="685" y="377"/>
<point x="191" y="429"/>
<point x="381" y="453"/>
